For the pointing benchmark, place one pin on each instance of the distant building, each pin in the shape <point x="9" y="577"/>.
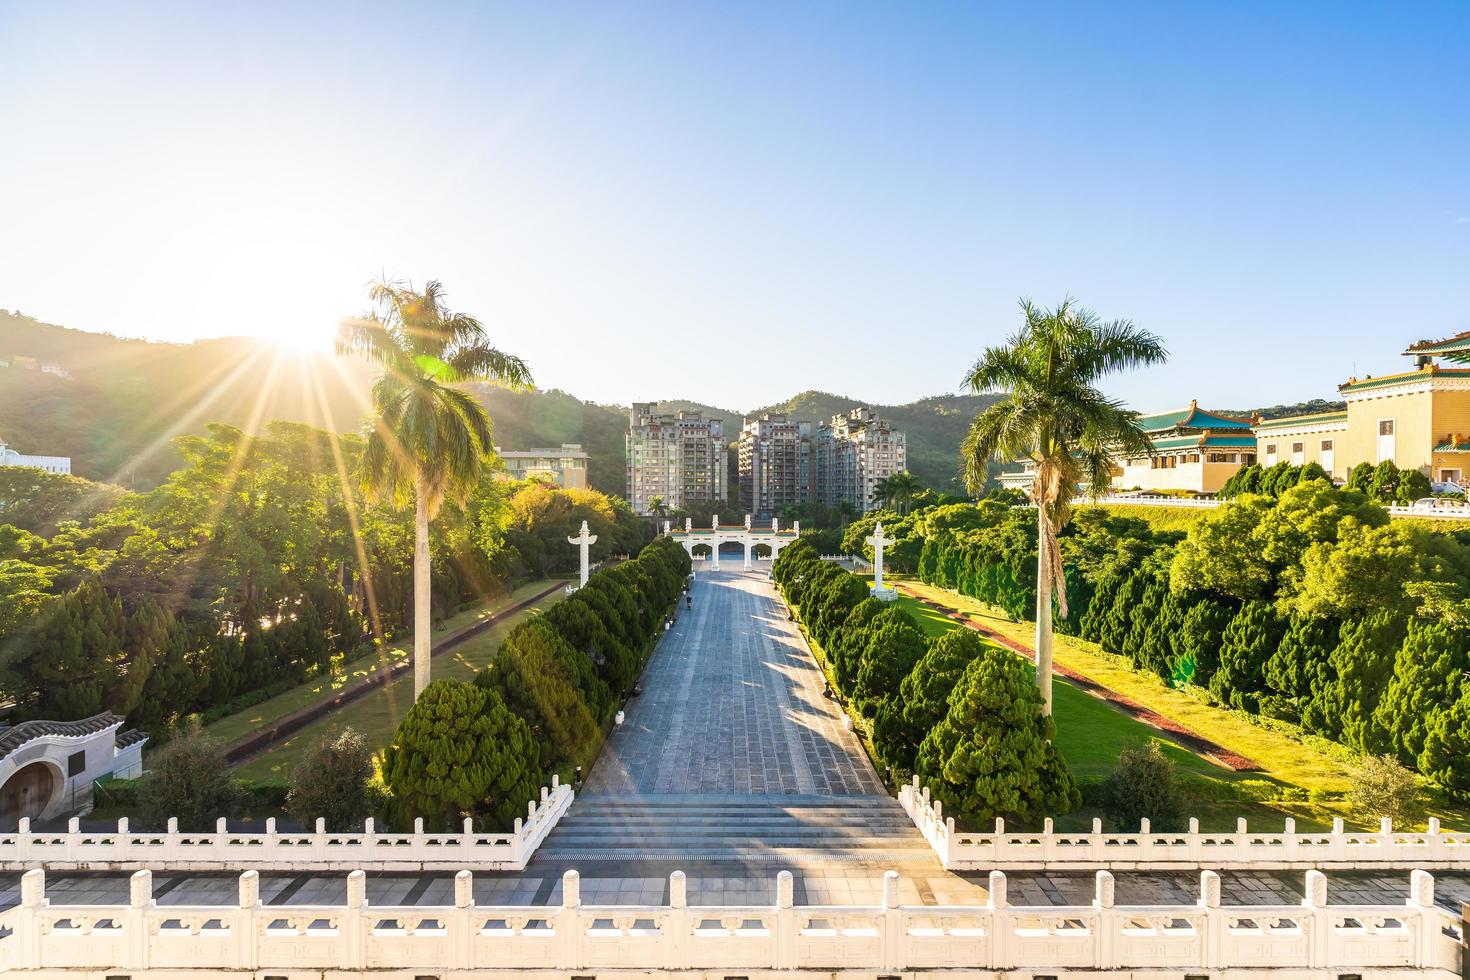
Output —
<point x="47" y="768"/>
<point x="776" y="464"/>
<point x="566" y="467"/>
<point x="1194" y="449"/>
<point x="51" y="464"/>
<point x="854" y="451"/>
<point x="678" y="457"/>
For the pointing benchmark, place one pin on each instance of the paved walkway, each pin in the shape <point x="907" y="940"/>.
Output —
<point x="732" y="704"/>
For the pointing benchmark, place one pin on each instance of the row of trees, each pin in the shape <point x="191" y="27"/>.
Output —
<point x="256" y="565"/>
<point x="1311" y="607"/>
<point x="964" y="715"/>
<point x="1384" y="482"/>
<point x="482" y="748"/>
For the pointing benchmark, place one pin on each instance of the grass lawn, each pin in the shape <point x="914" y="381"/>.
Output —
<point x="377" y="714"/>
<point x="1090" y="732"/>
<point x="236" y="726"/>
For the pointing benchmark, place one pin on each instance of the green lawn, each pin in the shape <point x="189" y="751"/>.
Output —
<point x="233" y="727"/>
<point x="377" y="714"/>
<point x="1313" y="775"/>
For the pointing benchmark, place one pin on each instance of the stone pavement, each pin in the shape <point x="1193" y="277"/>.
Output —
<point x="732" y="704"/>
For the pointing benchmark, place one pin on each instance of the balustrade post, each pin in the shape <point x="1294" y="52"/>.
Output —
<point x="220" y="844"/>
<point x="120" y="842"/>
<point x="1145" y="840"/>
<point x="1096" y="843"/>
<point x="1289" y="841"/>
<point x="368" y="836"/>
<point x="1214" y="929"/>
<point x="135" y="928"/>
<point x="28" y="926"/>
<point x="1426" y="926"/>
<point x="1000" y="926"/>
<point x="895" y="952"/>
<point x="785" y="922"/>
<point x="73" y="831"/>
<point x="319" y="840"/>
<point x="1435" y="844"/>
<point x="677" y="938"/>
<point x="946" y="854"/>
<point x="1315" y="899"/>
<point x="355" y="921"/>
<point x="1338" y="849"/>
<point x="1102" y="943"/>
<point x="23" y="838"/>
<point x="569" y="923"/>
<point x="247" y="932"/>
<point x="464" y="919"/>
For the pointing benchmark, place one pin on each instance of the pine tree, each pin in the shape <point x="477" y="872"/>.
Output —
<point x="1094" y="620"/>
<point x="1299" y="661"/>
<point x="993" y="754"/>
<point x="1156" y="651"/>
<point x="895" y="644"/>
<point x="527" y="674"/>
<point x="1248" y="642"/>
<point x="924" y="695"/>
<point x="1360" y="478"/>
<point x="1385" y="482"/>
<point x="1426" y="679"/>
<point x="1119" y="621"/>
<point x="1197" y="644"/>
<point x="846" y="651"/>
<point x="1143" y="622"/>
<point x="1445" y="757"/>
<point x="1362" y="664"/>
<point x="460" y="751"/>
<point x="333" y="782"/>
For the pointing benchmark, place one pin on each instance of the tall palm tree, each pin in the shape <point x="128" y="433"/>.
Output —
<point x="1054" y="415"/>
<point x="427" y="440"/>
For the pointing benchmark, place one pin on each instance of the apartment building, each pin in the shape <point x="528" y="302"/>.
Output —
<point x="679" y="457"/>
<point x="776" y="463"/>
<point x="566" y="467"/>
<point x="853" y="452"/>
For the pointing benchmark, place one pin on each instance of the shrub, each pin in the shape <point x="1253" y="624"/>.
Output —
<point x="924" y="697"/>
<point x="188" y="779"/>
<point x="895" y="644"/>
<point x="1144" y="784"/>
<point x="1383" y="788"/>
<point x="532" y="673"/>
<point x="993" y="755"/>
<point x="460" y="751"/>
<point x="334" y="782"/>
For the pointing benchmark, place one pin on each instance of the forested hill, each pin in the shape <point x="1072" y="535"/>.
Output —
<point x="125" y="399"/>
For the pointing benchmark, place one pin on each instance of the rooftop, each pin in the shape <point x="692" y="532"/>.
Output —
<point x="1458" y="344"/>
<point x="1291" y="421"/>
<point x="1192" y="417"/>
<point x="1402" y="377"/>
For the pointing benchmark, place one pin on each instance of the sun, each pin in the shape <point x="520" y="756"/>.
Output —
<point x="297" y="339"/>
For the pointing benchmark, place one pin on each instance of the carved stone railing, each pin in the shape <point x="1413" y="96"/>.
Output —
<point x="1193" y="849"/>
<point x="319" y="850"/>
<point x="1311" y="939"/>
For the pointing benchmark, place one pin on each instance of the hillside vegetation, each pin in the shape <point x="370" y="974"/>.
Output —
<point x="125" y="400"/>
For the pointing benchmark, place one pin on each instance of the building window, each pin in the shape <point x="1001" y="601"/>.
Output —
<point x="1271" y="454"/>
<point x="1297" y="447"/>
<point x="76" y="764"/>
<point x="1386" y="444"/>
<point x="1327" y="445"/>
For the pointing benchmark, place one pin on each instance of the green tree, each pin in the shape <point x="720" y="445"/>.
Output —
<point x="1360" y="478"/>
<point x="187" y="779"/>
<point x="897" y="492"/>
<point x="1427" y="675"/>
<point x="1246" y="645"/>
<point x="460" y="751"/>
<point x="895" y="644"/>
<point x="334" y="782"/>
<point x="428" y="440"/>
<point x="924" y="697"/>
<point x="1144" y="784"/>
<point x="993" y="754"/>
<point x="1053" y="414"/>
<point x="528" y="673"/>
<point x="1385" y="483"/>
<point x="1383" y="788"/>
<point x="1197" y="645"/>
<point x="1299" y="666"/>
<point x="1413" y="486"/>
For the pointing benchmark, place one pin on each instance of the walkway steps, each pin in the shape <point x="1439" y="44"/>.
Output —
<point x="739" y="828"/>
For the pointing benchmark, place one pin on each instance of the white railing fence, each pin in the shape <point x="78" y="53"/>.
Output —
<point x="1424" y="507"/>
<point x="511" y="940"/>
<point x="318" y="850"/>
<point x="1244" y="849"/>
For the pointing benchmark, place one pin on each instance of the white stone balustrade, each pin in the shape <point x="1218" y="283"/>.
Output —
<point x="1244" y="849"/>
<point x="1311" y="939"/>
<point x="227" y="850"/>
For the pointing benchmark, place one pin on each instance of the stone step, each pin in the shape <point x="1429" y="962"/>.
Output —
<point x="592" y="836"/>
<point x="880" y="853"/>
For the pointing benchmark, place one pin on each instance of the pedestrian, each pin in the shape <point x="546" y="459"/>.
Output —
<point x="689" y="602"/>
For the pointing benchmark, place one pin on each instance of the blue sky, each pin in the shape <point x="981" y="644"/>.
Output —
<point x="734" y="202"/>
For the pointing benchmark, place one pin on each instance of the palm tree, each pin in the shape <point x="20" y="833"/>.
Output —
<point x="898" y="491"/>
<point x="427" y="440"/>
<point x="1055" y="417"/>
<point x="657" y="509"/>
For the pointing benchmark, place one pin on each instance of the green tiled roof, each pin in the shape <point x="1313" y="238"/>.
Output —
<point x="1459" y="343"/>
<point x="1291" y="421"/>
<point x="1206" y="442"/>
<point x="1191" y="417"/>
<point x="1387" y="379"/>
<point x="1453" y="447"/>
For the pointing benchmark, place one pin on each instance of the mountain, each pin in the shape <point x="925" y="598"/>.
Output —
<point x="122" y="401"/>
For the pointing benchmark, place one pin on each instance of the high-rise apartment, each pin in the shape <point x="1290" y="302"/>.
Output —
<point x="853" y="452"/>
<point x="776" y="465"/>
<point x="679" y="457"/>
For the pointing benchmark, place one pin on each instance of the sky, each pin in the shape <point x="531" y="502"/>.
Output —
<point x="735" y="202"/>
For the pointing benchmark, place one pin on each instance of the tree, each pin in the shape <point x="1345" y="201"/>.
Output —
<point x="460" y="751"/>
<point x="1413" y="486"/>
<point x="993" y="755"/>
<point x="1144" y="784"/>
<point x="1197" y="645"/>
<point x="528" y="673"/>
<point x="924" y="696"/>
<point x="1053" y="415"/>
<point x="428" y="440"/>
<point x="1427" y="675"/>
<point x="1361" y="664"/>
<point x="1383" y="788"/>
<point x="895" y="644"/>
<point x="1246" y="645"/>
<point x="1385" y="483"/>
<point x="1360" y="477"/>
<point x="187" y="779"/>
<point x="1299" y="665"/>
<point x="897" y="491"/>
<point x="334" y="782"/>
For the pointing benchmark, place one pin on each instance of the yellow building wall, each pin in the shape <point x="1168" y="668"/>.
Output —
<point x="1311" y="450"/>
<point x="1413" y="430"/>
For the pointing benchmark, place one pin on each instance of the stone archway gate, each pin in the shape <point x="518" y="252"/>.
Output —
<point x="747" y="535"/>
